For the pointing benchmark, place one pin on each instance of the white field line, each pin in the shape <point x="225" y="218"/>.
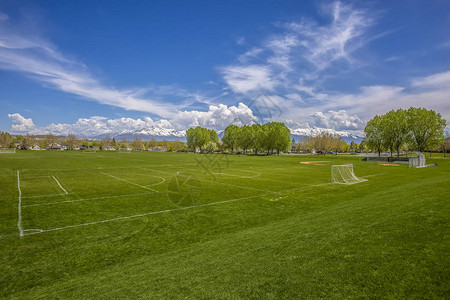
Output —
<point x="212" y="181"/>
<point x="60" y="185"/>
<point x="245" y="177"/>
<point x="42" y="196"/>
<point x="372" y="175"/>
<point x="143" y="215"/>
<point x="19" y="221"/>
<point x="154" y="184"/>
<point x="107" y="168"/>
<point x="141" y="186"/>
<point x="37" y="176"/>
<point x="86" y="199"/>
<point x="35" y="231"/>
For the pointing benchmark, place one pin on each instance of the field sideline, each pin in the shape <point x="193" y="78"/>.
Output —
<point x="182" y="225"/>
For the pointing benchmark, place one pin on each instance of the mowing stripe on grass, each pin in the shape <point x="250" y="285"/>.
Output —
<point x="35" y="231"/>
<point x="42" y="196"/>
<point x="86" y="199"/>
<point x="142" y="215"/>
<point x="19" y="221"/>
<point x="141" y="186"/>
<point x="214" y="181"/>
<point x="60" y="185"/>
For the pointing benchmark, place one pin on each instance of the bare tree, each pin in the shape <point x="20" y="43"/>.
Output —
<point x="72" y="141"/>
<point x="29" y="141"/>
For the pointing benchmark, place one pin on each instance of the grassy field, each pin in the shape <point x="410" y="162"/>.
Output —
<point x="173" y="225"/>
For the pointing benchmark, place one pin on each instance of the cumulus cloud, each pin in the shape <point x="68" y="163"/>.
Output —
<point x="217" y="117"/>
<point x="21" y="124"/>
<point x="338" y="120"/>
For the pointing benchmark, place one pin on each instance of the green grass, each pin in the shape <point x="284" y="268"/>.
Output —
<point x="387" y="237"/>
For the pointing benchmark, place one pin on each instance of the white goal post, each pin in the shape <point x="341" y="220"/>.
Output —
<point x="344" y="174"/>
<point x="7" y="150"/>
<point x="418" y="162"/>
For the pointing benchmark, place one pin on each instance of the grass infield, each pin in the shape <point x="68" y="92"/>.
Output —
<point x="174" y="225"/>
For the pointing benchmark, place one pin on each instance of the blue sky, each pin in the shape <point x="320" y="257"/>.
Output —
<point x="95" y="67"/>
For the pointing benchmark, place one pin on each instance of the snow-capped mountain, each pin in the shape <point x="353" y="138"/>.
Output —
<point x="147" y="133"/>
<point x="160" y="133"/>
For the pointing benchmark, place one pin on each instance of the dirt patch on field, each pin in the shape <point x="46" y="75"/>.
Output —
<point x="389" y="165"/>
<point x="314" y="162"/>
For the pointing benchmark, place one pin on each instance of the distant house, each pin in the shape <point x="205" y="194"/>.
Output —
<point x="17" y="145"/>
<point x="159" y="148"/>
<point x="55" y="146"/>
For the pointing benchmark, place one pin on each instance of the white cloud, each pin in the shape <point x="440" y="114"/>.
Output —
<point x="439" y="80"/>
<point x="217" y="117"/>
<point x="40" y="60"/>
<point x="243" y="79"/>
<point x="338" y="120"/>
<point x="21" y="124"/>
<point x="324" y="44"/>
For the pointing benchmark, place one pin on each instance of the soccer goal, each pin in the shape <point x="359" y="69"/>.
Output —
<point x="418" y="162"/>
<point x="344" y="174"/>
<point x="7" y="150"/>
<point x="124" y="150"/>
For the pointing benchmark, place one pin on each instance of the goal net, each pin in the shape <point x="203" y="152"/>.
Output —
<point x="124" y="150"/>
<point x="344" y="174"/>
<point x="418" y="162"/>
<point x="7" y="150"/>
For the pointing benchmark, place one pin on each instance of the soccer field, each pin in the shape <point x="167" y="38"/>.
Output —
<point x="183" y="225"/>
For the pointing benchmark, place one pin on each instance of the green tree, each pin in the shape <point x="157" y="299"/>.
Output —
<point x="198" y="137"/>
<point x="282" y="137"/>
<point x="211" y="147"/>
<point x="244" y="139"/>
<point x="373" y="134"/>
<point x="257" y="138"/>
<point x="231" y="137"/>
<point x="426" y="127"/>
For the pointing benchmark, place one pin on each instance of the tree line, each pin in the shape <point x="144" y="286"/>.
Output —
<point x="416" y="129"/>
<point x="326" y="142"/>
<point x="272" y="137"/>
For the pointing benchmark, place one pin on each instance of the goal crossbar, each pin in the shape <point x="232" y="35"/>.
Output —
<point x="7" y="150"/>
<point x="344" y="174"/>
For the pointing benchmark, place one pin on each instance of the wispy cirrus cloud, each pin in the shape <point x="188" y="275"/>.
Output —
<point x="41" y="61"/>
<point x="242" y="79"/>
<point x="301" y="51"/>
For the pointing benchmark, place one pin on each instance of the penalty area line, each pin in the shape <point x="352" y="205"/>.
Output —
<point x="60" y="185"/>
<point x="141" y="186"/>
<point x="142" y="215"/>
<point x="86" y="199"/>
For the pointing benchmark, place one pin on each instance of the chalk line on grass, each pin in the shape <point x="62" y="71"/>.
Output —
<point x="36" y="231"/>
<point x="143" y="215"/>
<point x="141" y="186"/>
<point x="86" y="199"/>
<point x="372" y="175"/>
<point x="227" y="184"/>
<point x="41" y="196"/>
<point x="19" y="221"/>
<point x="60" y="185"/>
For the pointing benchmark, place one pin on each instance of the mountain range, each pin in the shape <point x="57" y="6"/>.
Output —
<point x="159" y="133"/>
